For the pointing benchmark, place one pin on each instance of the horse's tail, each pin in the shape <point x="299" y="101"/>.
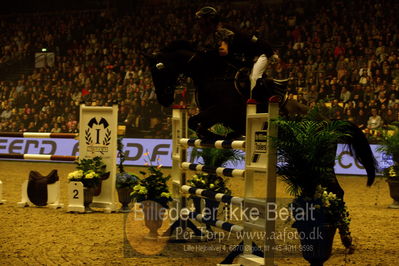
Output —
<point x="360" y="149"/>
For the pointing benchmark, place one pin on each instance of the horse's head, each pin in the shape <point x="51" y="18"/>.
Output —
<point x="165" y="67"/>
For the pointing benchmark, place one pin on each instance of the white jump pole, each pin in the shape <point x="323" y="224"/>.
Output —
<point x="261" y="157"/>
<point x="179" y="154"/>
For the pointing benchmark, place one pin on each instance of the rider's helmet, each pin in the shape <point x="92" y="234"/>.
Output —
<point x="207" y="12"/>
<point x="207" y="17"/>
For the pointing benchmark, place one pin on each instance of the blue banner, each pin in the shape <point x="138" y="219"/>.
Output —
<point x="141" y="152"/>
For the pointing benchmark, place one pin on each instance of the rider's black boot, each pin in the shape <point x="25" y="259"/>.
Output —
<point x="266" y="88"/>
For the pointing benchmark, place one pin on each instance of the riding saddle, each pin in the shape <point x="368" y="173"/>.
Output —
<point x="264" y="89"/>
<point x="37" y="186"/>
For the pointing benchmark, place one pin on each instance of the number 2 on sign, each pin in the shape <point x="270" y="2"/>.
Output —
<point x="75" y="194"/>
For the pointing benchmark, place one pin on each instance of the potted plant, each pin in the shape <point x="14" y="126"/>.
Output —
<point x="306" y="150"/>
<point x="212" y="157"/>
<point x="153" y="193"/>
<point x="389" y="145"/>
<point x="124" y="181"/>
<point x="91" y="172"/>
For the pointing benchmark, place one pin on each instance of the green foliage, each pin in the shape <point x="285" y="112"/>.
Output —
<point x="90" y="172"/>
<point x="153" y="186"/>
<point x="307" y="150"/>
<point x="121" y="155"/>
<point x="96" y="164"/>
<point x="390" y="143"/>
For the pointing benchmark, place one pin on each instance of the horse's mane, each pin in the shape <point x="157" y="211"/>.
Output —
<point x="178" y="45"/>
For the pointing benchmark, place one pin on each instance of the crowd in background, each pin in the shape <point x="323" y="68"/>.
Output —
<point x="344" y="53"/>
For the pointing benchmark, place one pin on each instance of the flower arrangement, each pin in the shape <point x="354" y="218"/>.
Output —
<point x="211" y="182"/>
<point x="90" y="172"/>
<point x="126" y="180"/>
<point x="327" y="208"/>
<point x="389" y="145"/>
<point x="391" y="172"/>
<point x="152" y="186"/>
<point x="123" y="178"/>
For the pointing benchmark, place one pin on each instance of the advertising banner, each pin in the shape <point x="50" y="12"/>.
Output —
<point x="141" y="152"/>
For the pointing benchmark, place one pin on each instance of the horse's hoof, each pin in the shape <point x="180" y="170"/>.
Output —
<point x="350" y="249"/>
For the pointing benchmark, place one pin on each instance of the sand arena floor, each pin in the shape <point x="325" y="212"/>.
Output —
<point x="43" y="236"/>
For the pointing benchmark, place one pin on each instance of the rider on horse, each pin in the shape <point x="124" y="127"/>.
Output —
<point x="240" y="49"/>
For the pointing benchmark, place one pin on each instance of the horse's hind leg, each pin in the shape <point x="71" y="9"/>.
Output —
<point x="293" y="108"/>
<point x="343" y="227"/>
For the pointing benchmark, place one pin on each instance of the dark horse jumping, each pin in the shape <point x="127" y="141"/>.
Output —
<point x="219" y="97"/>
<point x="220" y="101"/>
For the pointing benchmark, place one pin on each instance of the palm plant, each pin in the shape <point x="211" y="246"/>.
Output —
<point x="390" y="146"/>
<point x="307" y="150"/>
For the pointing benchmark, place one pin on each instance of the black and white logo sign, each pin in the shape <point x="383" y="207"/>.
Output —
<point x="98" y="135"/>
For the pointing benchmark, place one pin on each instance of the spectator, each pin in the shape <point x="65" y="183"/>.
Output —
<point x="56" y="128"/>
<point x="107" y="61"/>
<point x="388" y="117"/>
<point x="345" y="95"/>
<point x="361" y="119"/>
<point x="375" y="121"/>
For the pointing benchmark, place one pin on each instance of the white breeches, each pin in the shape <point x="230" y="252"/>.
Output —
<point x="258" y="69"/>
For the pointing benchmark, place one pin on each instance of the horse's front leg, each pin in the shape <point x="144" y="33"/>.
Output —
<point x="232" y="116"/>
<point x="201" y="127"/>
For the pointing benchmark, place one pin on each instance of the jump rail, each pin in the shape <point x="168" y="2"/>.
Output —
<point x="39" y="135"/>
<point x="212" y="195"/>
<point x="226" y="226"/>
<point x="46" y="157"/>
<point x="219" y="144"/>
<point x="228" y="172"/>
